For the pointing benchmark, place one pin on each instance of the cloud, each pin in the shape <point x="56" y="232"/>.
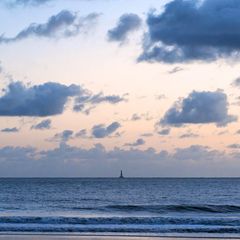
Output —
<point x="164" y="131"/>
<point x="102" y="131"/>
<point x="143" y="116"/>
<point x="192" y="30"/>
<point x="223" y="132"/>
<point x="234" y="146"/>
<point x="48" y="99"/>
<point x="199" y="108"/>
<point x="94" y="99"/>
<point x="175" y="70"/>
<point x="14" y="3"/>
<point x="238" y="132"/>
<point x="45" y="124"/>
<point x="147" y="135"/>
<point x="197" y="153"/>
<point x="136" y="117"/>
<point x="189" y="135"/>
<point x="39" y="100"/>
<point x="126" y="24"/>
<point x="160" y="96"/>
<point x="63" y="25"/>
<point x="10" y="130"/>
<point x="17" y="154"/>
<point x="81" y="134"/>
<point x="69" y="161"/>
<point x="101" y="98"/>
<point x="138" y="142"/>
<point x="236" y="82"/>
<point x="63" y="136"/>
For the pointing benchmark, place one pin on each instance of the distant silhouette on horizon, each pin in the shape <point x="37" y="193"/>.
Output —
<point x="121" y="175"/>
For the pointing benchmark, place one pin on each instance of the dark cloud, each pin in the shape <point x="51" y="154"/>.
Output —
<point x="39" y="100"/>
<point x="63" y="25"/>
<point x="190" y="30"/>
<point x="10" y="130"/>
<point x="164" y="131"/>
<point x="102" y="131"/>
<point x="199" y="108"/>
<point x="48" y="99"/>
<point x="138" y="142"/>
<point x="45" y="124"/>
<point x="14" y="3"/>
<point x="125" y="25"/>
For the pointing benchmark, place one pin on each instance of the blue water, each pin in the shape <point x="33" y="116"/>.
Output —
<point x="160" y="206"/>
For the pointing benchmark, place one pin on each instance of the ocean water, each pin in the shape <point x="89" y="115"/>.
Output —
<point x="137" y="206"/>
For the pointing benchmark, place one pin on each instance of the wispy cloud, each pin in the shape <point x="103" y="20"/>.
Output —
<point x="65" y="24"/>
<point x="16" y="3"/>
<point x="44" y="124"/>
<point x="10" y="130"/>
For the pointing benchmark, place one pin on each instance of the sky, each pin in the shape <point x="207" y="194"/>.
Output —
<point x="90" y="87"/>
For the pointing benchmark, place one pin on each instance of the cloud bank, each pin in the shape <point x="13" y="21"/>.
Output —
<point x="192" y="30"/>
<point x="69" y="161"/>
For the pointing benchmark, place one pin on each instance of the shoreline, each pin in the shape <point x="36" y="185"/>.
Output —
<point x="72" y="236"/>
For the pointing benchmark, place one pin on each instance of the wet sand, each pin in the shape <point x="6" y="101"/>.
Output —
<point x="82" y="237"/>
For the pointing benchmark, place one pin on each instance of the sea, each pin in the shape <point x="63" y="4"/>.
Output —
<point x="199" y="207"/>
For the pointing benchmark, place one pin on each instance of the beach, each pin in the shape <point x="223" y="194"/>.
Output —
<point x="61" y="237"/>
<point x="82" y="237"/>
